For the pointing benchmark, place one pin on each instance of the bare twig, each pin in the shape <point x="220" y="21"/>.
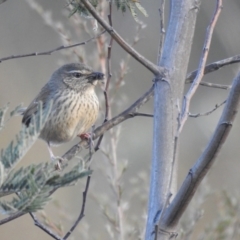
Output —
<point x="213" y="67"/>
<point x="162" y="30"/>
<point x="51" y="51"/>
<point x="202" y="64"/>
<point x="11" y="217"/>
<point x="207" y="113"/>
<point x="141" y="114"/>
<point x="44" y="228"/>
<point x="145" y="62"/>
<point x="215" y="85"/>
<point x="81" y="215"/>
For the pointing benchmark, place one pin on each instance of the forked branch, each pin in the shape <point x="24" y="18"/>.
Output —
<point x="206" y="160"/>
<point x="202" y="64"/>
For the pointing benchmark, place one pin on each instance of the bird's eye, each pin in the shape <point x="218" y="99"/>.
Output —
<point x="77" y="75"/>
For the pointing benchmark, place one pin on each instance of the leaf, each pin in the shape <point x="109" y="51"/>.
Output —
<point x="25" y="139"/>
<point x="3" y="111"/>
<point x="133" y="10"/>
<point x="141" y="9"/>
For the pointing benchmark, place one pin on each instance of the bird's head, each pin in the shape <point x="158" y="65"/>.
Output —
<point x="77" y="76"/>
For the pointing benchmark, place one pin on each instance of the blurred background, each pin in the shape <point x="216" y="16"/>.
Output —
<point x="28" y="26"/>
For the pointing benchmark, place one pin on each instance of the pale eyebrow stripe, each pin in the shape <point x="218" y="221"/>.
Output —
<point x="73" y="71"/>
<point x="84" y="71"/>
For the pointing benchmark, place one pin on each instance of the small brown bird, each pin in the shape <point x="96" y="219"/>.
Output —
<point x="75" y="105"/>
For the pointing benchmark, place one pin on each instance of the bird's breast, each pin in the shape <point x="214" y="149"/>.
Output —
<point x="71" y="115"/>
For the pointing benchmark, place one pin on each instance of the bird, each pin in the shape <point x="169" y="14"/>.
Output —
<point x="75" y="105"/>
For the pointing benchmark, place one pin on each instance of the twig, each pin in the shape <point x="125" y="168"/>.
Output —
<point x="51" y="51"/>
<point x="215" y="85"/>
<point x="12" y="217"/>
<point x="162" y="30"/>
<point x="207" y="113"/>
<point x="213" y="67"/>
<point x="145" y="62"/>
<point x="135" y="114"/>
<point x="202" y="64"/>
<point x="81" y="215"/>
<point x="41" y="225"/>
<point x="44" y="228"/>
<point x="109" y="75"/>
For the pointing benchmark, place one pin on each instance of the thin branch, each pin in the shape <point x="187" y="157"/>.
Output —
<point x="141" y="114"/>
<point x="109" y="76"/>
<point x="162" y="30"/>
<point x="11" y="217"/>
<point x="51" y="51"/>
<point x="44" y="228"/>
<point x="207" y="113"/>
<point x="215" y="85"/>
<point x="214" y="67"/>
<point x="145" y="62"/>
<point x="206" y="160"/>
<point x="81" y="215"/>
<point x="202" y="64"/>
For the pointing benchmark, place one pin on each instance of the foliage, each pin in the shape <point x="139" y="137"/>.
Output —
<point x="122" y="5"/>
<point x="33" y="184"/>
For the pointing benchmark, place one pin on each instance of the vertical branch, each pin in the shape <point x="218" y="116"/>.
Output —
<point x="109" y="75"/>
<point x="81" y="215"/>
<point x="162" y="30"/>
<point x="202" y="64"/>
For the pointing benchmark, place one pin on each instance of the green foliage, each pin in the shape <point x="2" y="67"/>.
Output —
<point x="78" y="7"/>
<point x="123" y="5"/>
<point x="33" y="184"/>
<point x="2" y="114"/>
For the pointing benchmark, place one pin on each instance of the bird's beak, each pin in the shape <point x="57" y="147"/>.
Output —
<point x="92" y="77"/>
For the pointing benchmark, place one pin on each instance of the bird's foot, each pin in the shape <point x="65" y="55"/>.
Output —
<point x="85" y="136"/>
<point x="88" y="138"/>
<point x="59" y="161"/>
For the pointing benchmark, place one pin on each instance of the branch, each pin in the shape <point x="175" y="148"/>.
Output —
<point x="202" y="64"/>
<point x="207" y="113"/>
<point x="11" y="217"/>
<point x="213" y="67"/>
<point x="81" y="215"/>
<point x="206" y="160"/>
<point x="109" y="76"/>
<point x="162" y="30"/>
<point x="215" y="85"/>
<point x="51" y="51"/>
<point x="145" y="62"/>
<point x="44" y="228"/>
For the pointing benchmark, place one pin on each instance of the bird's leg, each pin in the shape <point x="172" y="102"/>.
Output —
<point x="54" y="158"/>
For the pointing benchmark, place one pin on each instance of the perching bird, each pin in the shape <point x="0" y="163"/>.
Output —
<point x="75" y="105"/>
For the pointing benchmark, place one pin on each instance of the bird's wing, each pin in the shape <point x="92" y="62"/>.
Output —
<point x="43" y="96"/>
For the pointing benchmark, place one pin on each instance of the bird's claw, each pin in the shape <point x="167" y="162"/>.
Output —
<point x="59" y="161"/>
